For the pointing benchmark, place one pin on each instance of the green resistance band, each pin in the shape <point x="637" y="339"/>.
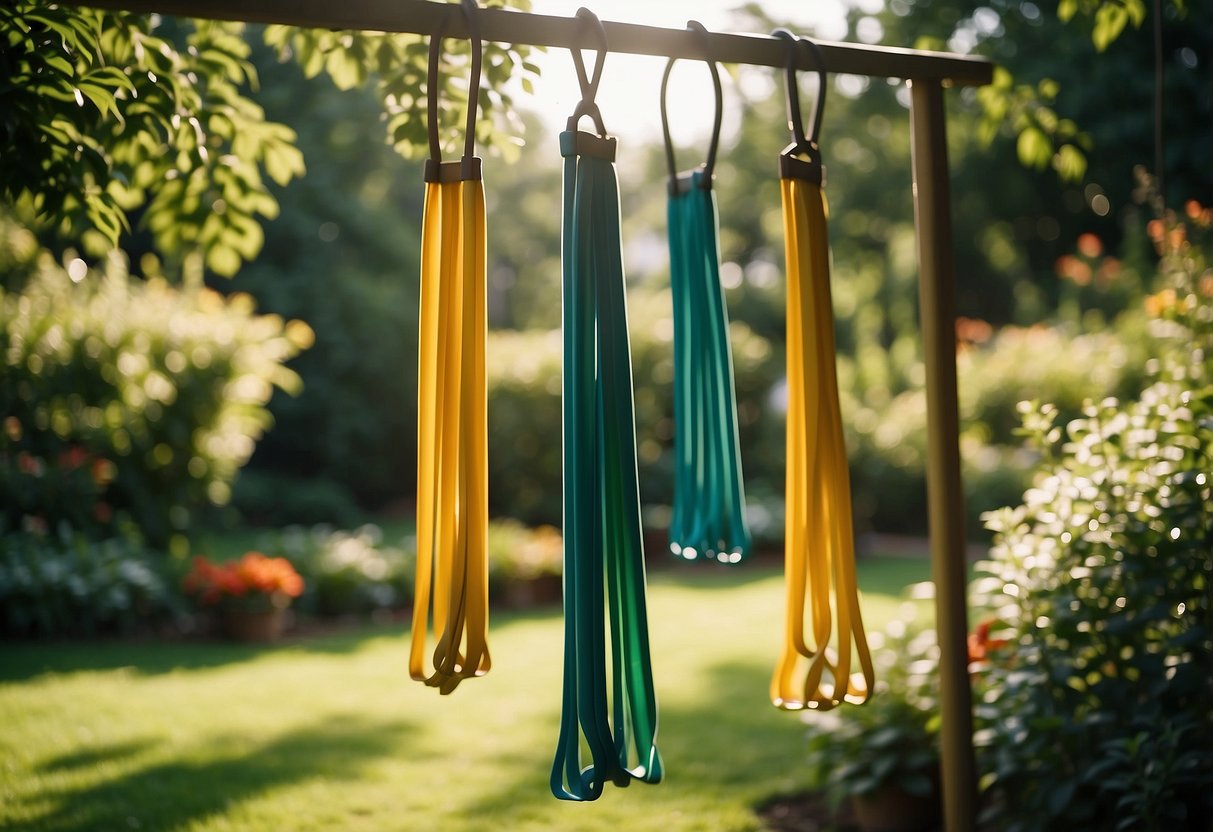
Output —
<point x="610" y="708"/>
<point x="708" y="518"/>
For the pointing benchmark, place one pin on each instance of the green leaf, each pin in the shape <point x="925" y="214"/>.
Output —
<point x="1110" y="21"/>
<point x="1034" y="148"/>
<point x="1070" y="163"/>
<point x="223" y="260"/>
<point x="283" y="162"/>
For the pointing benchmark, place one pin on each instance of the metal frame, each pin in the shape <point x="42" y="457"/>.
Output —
<point x="929" y="73"/>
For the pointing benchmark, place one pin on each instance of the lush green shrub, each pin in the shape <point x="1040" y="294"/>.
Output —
<point x="887" y="440"/>
<point x="346" y="572"/>
<point x="892" y="740"/>
<point x="1096" y="715"/>
<point x="124" y="396"/>
<point x="1105" y="578"/>
<point x="62" y="584"/>
<point x="1046" y="363"/>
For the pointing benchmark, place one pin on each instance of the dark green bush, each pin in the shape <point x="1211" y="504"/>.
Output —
<point x="130" y="397"/>
<point x="267" y="499"/>
<point x="1096" y="715"/>
<point x="1105" y="578"/>
<point x="65" y="585"/>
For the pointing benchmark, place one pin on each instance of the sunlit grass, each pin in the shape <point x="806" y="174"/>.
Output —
<point x="329" y="733"/>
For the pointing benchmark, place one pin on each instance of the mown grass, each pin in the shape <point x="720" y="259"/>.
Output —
<point x="329" y="733"/>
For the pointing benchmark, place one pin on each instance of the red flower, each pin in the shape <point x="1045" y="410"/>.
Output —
<point x="27" y="463"/>
<point x="981" y="645"/>
<point x="73" y="458"/>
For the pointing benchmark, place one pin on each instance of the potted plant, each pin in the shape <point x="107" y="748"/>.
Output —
<point x="882" y="757"/>
<point x="250" y="595"/>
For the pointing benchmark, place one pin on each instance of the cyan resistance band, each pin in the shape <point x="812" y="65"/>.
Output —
<point x="708" y="518"/>
<point x="610" y="708"/>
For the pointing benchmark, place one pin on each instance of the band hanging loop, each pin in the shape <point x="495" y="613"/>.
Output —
<point x="679" y="183"/>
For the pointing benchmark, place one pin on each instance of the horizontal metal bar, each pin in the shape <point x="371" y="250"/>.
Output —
<point x="507" y="26"/>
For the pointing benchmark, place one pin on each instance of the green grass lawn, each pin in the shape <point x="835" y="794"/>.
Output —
<point x="329" y="733"/>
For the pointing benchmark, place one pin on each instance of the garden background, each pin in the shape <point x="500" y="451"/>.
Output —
<point x="209" y="249"/>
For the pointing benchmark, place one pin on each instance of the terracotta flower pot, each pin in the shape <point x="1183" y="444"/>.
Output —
<point x="255" y="626"/>
<point x="890" y="809"/>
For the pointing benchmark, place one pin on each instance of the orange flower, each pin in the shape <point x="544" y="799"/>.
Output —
<point x="102" y="471"/>
<point x="1157" y="305"/>
<point x="1069" y="266"/>
<point x="253" y="574"/>
<point x="1089" y="245"/>
<point x="973" y="330"/>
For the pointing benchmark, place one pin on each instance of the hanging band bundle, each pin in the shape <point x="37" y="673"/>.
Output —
<point x="708" y="520"/>
<point x="610" y="708"/>
<point x="452" y="436"/>
<point x="815" y="668"/>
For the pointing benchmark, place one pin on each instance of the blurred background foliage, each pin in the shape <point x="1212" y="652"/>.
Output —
<point x="1054" y="263"/>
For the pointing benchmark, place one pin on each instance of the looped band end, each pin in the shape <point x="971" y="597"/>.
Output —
<point x="791" y="166"/>
<point x="689" y="180"/>
<point x="466" y="169"/>
<point x="580" y="143"/>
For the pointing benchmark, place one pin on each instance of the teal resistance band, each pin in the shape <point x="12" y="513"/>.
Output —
<point x="603" y="552"/>
<point x="708" y="520"/>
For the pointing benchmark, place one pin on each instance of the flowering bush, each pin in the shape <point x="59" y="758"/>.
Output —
<point x="254" y="578"/>
<point x="125" y="397"/>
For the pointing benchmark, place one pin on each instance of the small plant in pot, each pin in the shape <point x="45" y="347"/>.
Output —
<point x="250" y="595"/>
<point x="882" y="757"/>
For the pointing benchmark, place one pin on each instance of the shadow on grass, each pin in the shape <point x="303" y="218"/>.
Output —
<point x="728" y="740"/>
<point x="876" y="574"/>
<point x="25" y="660"/>
<point x="77" y="760"/>
<point x="213" y="778"/>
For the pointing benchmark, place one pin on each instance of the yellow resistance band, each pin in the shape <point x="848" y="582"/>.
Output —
<point x="814" y="669"/>
<point x="452" y="443"/>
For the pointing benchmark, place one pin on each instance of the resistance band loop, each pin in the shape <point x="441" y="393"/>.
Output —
<point x="610" y="709"/>
<point x="815" y="668"/>
<point x="451" y="591"/>
<point x="708" y="518"/>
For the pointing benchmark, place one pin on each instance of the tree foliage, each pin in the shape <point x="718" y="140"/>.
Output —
<point x="109" y="115"/>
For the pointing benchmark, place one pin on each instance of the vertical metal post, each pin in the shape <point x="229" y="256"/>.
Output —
<point x="945" y="498"/>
